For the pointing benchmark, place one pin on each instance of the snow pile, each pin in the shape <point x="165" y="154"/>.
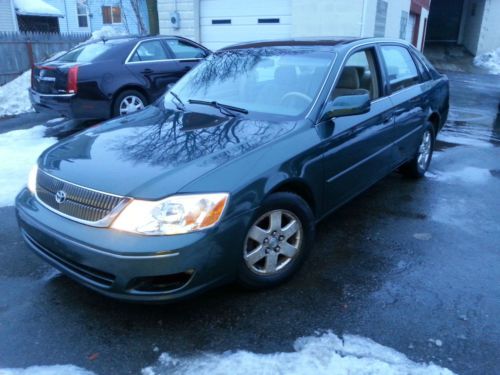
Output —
<point x="315" y="355"/>
<point x="19" y="150"/>
<point x="47" y="370"/>
<point x="471" y="175"/>
<point x="14" y="98"/>
<point x="489" y="60"/>
<point x="36" y="8"/>
<point x="105" y="32"/>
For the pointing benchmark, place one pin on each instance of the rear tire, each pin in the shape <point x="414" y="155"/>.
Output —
<point x="277" y="242"/>
<point x="416" y="167"/>
<point x="127" y="102"/>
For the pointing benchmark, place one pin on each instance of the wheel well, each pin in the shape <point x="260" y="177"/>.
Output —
<point x="125" y="88"/>
<point x="299" y="188"/>
<point x="435" y="120"/>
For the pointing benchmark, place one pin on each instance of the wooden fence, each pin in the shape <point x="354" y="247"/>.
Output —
<point x="19" y="51"/>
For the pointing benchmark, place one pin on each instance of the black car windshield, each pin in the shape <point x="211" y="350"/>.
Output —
<point x="279" y="80"/>
<point x="88" y="52"/>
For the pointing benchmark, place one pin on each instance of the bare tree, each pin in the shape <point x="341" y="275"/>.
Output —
<point x="141" y="29"/>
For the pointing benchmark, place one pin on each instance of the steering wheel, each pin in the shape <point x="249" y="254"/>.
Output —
<point x="295" y="94"/>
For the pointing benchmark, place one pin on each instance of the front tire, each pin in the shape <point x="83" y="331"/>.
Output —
<point x="277" y="242"/>
<point x="417" y="166"/>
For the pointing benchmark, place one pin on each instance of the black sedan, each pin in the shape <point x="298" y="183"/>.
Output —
<point x="112" y="77"/>
<point x="227" y="176"/>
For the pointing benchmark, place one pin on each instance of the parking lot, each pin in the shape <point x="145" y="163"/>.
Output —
<point x="412" y="265"/>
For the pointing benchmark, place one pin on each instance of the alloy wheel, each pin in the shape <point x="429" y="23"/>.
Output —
<point x="273" y="241"/>
<point x="130" y="104"/>
<point x="424" y="150"/>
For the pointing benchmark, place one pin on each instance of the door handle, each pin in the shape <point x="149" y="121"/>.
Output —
<point x="147" y="71"/>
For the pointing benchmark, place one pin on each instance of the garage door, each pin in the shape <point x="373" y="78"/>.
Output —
<point x="225" y="22"/>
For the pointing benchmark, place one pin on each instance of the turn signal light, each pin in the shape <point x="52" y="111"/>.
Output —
<point x="72" y="86"/>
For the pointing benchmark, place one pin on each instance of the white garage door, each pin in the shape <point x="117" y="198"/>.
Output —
<point x="225" y="22"/>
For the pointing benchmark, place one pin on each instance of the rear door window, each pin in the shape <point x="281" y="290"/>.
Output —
<point x="184" y="50"/>
<point x="151" y="50"/>
<point x="401" y="69"/>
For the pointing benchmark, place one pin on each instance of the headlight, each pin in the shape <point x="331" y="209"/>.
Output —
<point x="173" y="215"/>
<point x="32" y="179"/>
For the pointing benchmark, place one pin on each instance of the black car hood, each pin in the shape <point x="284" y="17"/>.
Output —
<point x="157" y="151"/>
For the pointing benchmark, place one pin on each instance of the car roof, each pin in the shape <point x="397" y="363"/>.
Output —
<point x="313" y="41"/>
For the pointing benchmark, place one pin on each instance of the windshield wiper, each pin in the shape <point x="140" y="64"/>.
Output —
<point x="178" y="103"/>
<point x="223" y="108"/>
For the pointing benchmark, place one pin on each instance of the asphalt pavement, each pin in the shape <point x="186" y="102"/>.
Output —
<point x="413" y="265"/>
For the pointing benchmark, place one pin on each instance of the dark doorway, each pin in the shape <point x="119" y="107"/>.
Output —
<point x="445" y="17"/>
<point x="38" y="24"/>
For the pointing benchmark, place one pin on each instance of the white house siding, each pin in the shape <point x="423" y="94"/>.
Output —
<point x="129" y="21"/>
<point x="7" y="17"/>
<point x="189" y="18"/>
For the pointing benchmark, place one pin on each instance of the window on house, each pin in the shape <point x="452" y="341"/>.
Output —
<point x="82" y="12"/>
<point x="111" y="14"/>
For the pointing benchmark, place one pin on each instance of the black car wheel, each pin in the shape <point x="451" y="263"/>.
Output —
<point x="277" y="242"/>
<point x="129" y="101"/>
<point x="417" y="166"/>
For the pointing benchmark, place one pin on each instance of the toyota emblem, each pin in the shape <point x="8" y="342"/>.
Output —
<point x="60" y="196"/>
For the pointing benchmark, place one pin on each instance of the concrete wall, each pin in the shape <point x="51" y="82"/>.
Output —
<point x="189" y="11"/>
<point x="7" y="18"/>
<point x="327" y="18"/>
<point x="472" y="24"/>
<point x="489" y="38"/>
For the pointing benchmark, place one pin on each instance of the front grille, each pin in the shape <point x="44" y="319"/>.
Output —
<point x="79" y="202"/>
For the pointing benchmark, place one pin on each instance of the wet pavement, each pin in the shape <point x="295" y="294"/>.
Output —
<point x="413" y="265"/>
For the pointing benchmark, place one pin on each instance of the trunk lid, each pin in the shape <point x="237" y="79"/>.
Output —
<point x="51" y="77"/>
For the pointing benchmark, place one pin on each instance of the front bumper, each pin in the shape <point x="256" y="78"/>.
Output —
<point x="128" y="266"/>
<point x="71" y="106"/>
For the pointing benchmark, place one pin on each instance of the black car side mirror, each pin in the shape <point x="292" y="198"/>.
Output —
<point x="347" y="105"/>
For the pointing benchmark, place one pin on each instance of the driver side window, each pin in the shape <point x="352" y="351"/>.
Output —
<point x="359" y="76"/>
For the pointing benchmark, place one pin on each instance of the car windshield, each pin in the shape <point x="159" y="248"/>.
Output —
<point x="87" y="52"/>
<point x="280" y="80"/>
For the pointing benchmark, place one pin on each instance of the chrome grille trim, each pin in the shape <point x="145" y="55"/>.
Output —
<point x="84" y="205"/>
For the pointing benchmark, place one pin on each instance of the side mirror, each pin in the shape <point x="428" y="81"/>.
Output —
<point x="347" y="105"/>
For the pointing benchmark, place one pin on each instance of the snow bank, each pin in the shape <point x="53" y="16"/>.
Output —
<point x="315" y="355"/>
<point x="489" y="60"/>
<point x="36" y="8"/>
<point x="14" y="98"/>
<point x="46" y="370"/>
<point x="105" y="32"/>
<point x="19" y="150"/>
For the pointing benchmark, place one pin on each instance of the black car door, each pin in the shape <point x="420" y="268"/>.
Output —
<point x="153" y="66"/>
<point x="359" y="150"/>
<point x="408" y="98"/>
<point x="186" y="54"/>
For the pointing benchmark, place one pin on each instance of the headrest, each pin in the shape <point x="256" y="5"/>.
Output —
<point x="285" y="73"/>
<point x="349" y="79"/>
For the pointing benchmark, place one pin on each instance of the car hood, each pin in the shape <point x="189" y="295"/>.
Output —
<point x="155" y="152"/>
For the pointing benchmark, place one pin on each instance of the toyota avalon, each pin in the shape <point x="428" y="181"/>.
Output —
<point x="225" y="178"/>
